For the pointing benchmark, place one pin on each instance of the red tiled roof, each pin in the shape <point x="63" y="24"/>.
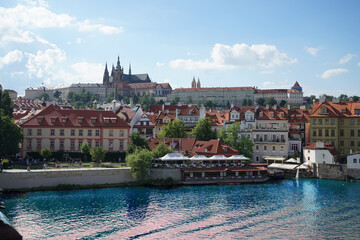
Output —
<point x="214" y="88"/>
<point x="299" y="115"/>
<point x="186" y="144"/>
<point x="103" y="118"/>
<point x="218" y="118"/>
<point x="157" y="108"/>
<point x="142" y="85"/>
<point x="266" y="114"/>
<point x="327" y="146"/>
<point x="341" y="109"/>
<point x="213" y="147"/>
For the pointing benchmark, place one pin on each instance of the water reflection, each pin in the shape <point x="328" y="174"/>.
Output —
<point x="137" y="203"/>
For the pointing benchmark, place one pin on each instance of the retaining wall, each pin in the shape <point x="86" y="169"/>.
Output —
<point x="331" y="171"/>
<point x="353" y="173"/>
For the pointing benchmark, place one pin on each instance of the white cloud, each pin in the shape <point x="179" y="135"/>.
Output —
<point x="11" y="57"/>
<point x="160" y="64"/>
<point x="82" y="72"/>
<point x="18" y="23"/>
<point x="78" y="40"/>
<point x="333" y="72"/>
<point x="13" y="74"/>
<point x="268" y="83"/>
<point x="347" y="58"/>
<point x="238" y="55"/>
<point x="312" y="51"/>
<point x="44" y="62"/>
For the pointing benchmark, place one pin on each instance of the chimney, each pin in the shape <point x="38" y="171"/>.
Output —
<point x="335" y="100"/>
<point x="288" y="107"/>
<point x="163" y="107"/>
<point x="351" y="99"/>
<point x="267" y="106"/>
<point x="321" y="100"/>
<point x="275" y="107"/>
<point x="176" y="112"/>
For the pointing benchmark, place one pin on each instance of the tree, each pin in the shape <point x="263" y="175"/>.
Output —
<point x="85" y="150"/>
<point x="97" y="154"/>
<point x="282" y="103"/>
<point x="202" y="131"/>
<point x="271" y="101"/>
<point x="161" y="150"/>
<point x="228" y="105"/>
<point x="147" y="100"/>
<point x="343" y="97"/>
<point x="6" y="105"/>
<point x="160" y="102"/>
<point x="174" y="129"/>
<point x="175" y="100"/>
<point x="139" y="162"/>
<point x="57" y="94"/>
<point x="137" y="141"/>
<point x="355" y="98"/>
<point x="244" y="102"/>
<point x="45" y="153"/>
<point x="189" y="100"/>
<point x="249" y="102"/>
<point x="44" y="96"/>
<point x="232" y="137"/>
<point x="260" y="101"/>
<point x="111" y="97"/>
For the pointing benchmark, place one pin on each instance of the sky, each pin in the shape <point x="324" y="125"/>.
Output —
<point x="266" y="44"/>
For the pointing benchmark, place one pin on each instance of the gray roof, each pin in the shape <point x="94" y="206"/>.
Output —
<point x="136" y="78"/>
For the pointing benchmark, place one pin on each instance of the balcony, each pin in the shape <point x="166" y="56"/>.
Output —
<point x="269" y="140"/>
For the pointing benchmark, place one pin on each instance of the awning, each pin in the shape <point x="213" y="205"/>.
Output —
<point x="274" y="158"/>
<point x="246" y="169"/>
<point x="291" y="160"/>
<point x="283" y="166"/>
<point x="238" y="157"/>
<point x="199" y="158"/>
<point x="218" y="158"/>
<point x="174" y="157"/>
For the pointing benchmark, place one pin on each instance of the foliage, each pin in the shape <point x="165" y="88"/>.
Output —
<point x="138" y="162"/>
<point x="161" y="150"/>
<point x="175" y="100"/>
<point x="244" y="102"/>
<point x="231" y="136"/>
<point x="249" y="103"/>
<point x="174" y="129"/>
<point x="137" y="141"/>
<point x="57" y="94"/>
<point x="34" y="154"/>
<point x="282" y="103"/>
<point x="44" y="96"/>
<point x="161" y="102"/>
<point x="10" y="136"/>
<point x="260" y="101"/>
<point x="85" y="150"/>
<point x="210" y="104"/>
<point x="271" y="101"/>
<point x="327" y="97"/>
<point x="115" y="156"/>
<point x="135" y="99"/>
<point x="189" y="100"/>
<point x="355" y="98"/>
<point x="97" y="154"/>
<point x="85" y="98"/>
<point x="295" y="154"/>
<point x="228" y="105"/>
<point x="6" y="106"/>
<point x="111" y="97"/>
<point x="313" y="97"/>
<point x="202" y="131"/>
<point x="147" y="100"/>
<point x="45" y="153"/>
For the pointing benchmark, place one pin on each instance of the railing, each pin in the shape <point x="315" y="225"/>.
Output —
<point x="270" y="140"/>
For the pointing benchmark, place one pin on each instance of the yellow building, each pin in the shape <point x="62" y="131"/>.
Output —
<point x="337" y="123"/>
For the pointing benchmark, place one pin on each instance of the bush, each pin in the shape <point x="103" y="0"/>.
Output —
<point x="34" y="155"/>
<point x="114" y="156"/>
<point x="6" y="163"/>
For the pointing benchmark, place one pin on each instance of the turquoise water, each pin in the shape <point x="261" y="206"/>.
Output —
<point x="289" y="209"/>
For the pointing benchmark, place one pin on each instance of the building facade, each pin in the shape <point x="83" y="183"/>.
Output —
<point x="63" y="129"/>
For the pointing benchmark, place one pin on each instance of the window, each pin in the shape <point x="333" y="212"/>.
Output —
<point x="352" y="143"/>
<point x="52" y="144"/>
<point x="341" y="143"/>
<point x="282" y="148"/>
<point x="29" y="131"/>
<point x="121" y="145"/>
<point x="314" y="121"/>
<point x="314" y="133"/>
<point x="327" y="121"/>
<point x="341" y="132"/>
<point x="354" y="160"/>
<point x="29" y="144"/>
<point x="53" y="120"/>
<point x="352" y="121"/>
<point x="332" y="121"/>
<point x="358" y="143"/>
<point x="333" y="132"/>
<point x="97" y="133"/>
<point x="265" y="148"/>
<point x="80" y="132"/>
<point x="97" y="144"/>
<point x="320" y="121"/>
<point x="93" y="120"/>
<point x="273" y="148"/>
<point x="326" y="132"/>
<point x="52" y="132"/>
<point x="358" y="121"/>
<point x="111" y="133"/>
<point x="72" y="144"/>
<point x="358" y="132"/>
<point x="80" y="119"/>
<point x="294" y="146"/>
<point x="110" y="144"/>
<point x="257" y="147"/>
<point x="89" y="132"/>
<point x="61" y="132"/>
<point x="38" y="143"/>
<point x="341" y="121"/>
<point x="121" y="133"/>
<point x="61" y="144"/>
<point x="89" y="143"/>
<point x="39" y="132"/>
<point x="64" y="120"/>
<point x="72" y="132"/>
<point x="80" y="143"/>
<point x="39" y="120"/>
<point x="352" y="132"/>
<point x="323" y="110"/>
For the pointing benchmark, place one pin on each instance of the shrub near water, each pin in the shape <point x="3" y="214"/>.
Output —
<point x="138" y="162"/>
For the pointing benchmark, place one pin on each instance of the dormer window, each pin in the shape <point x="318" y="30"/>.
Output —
<point x="323" y="110"/>
<point x="282" y="115"/>
<point x="40" y="119"/>
<point x="64" y="120"/>
<point x="93" y="120"/>
<point x="80" y="119"/>
<point x="260" y="115"/>
<point x="271" y="114"/>
<point x="225" y="149"/>
<point x="106" y="120"/>
<point x="113" y="120"/>
<point x="53" y="120"/>
<point x="357" y="111"/>
<point x="343" y="110"/>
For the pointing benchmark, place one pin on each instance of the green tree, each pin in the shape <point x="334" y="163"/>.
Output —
<point x="137" y="141"/>
<point x="139" y="162"/>
<point x="244" y="102"/>
<point x="45" y="153"/>
<point x="97" y="154"/>
<point x="57" y="94"/>
<point x="249" y="103"/>
<point x="111" y="97"/>
<point x="85" y="150"/>
<point x="160" y="102"/>
<point x="343" y="97"/>
<point x="189" y="100"/>
<point x="44" y="96"/>
<point x="147" y="100"/>
<point x="161" y="150"/>
<point x="282" y="103"/>
<point x="202" y="131"/>
<point x="245" y="146"/>
<point x="313" y="97"/>
<point x="175" y="100"/>
<point x="6" y="105"/>
<point x="260" y="101"/>
<point x="271" y="101"/>
<point x="175" y="129"/>
<point x="355" y="98"/>
<point x="10" y="136"/>
<point x="228" y="105"/>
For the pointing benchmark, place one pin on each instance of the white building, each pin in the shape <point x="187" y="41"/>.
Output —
<point x="353" y="161"/>
<point x="319" y="152"/>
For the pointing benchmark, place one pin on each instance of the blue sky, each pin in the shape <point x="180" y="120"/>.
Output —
<point x="268" y="44"/>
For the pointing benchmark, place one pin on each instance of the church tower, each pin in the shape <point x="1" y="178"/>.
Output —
<point x="193" y="83"/>
<point x="198" y="83"/>
<point x="106" y="76"/>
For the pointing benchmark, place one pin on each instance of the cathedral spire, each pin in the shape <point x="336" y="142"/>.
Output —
<point x="198" y="83"/>
<point x="129" y="68"/>
<point x="106" y="75"/>
<point x="118" y="66"/>
<point x="193" y="83"/>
